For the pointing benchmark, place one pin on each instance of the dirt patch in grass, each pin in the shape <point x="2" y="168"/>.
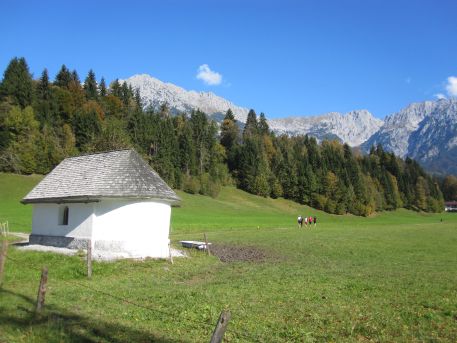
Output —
<point x="233" y="253"/>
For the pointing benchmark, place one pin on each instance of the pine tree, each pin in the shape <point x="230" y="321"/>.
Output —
<point x="204" y="138"/>
<point x="87" y="126"/>
<point x="63" y="77"/>
<point x="138" y="100"/>
<point x="229" y="115"/>
<point x="103" y="91"/>
<point x="251" y="127"/>
<point x="229" y="134"/>
<point x="17" y="83"/>
<point x="125" y="94"/>
<point x="186" y="147"/>
<point x="248" y="163"/>
<point x="164" y="151"/>
<point x="263" y="127"/>
<point x="75" y="78"/>
<point x="43" y="89"/>
<point x="115" y="89"/>
<point x="90" y="86"/>
<point x="45" y="106"/>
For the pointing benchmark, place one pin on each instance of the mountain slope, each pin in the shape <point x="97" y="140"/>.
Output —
<point x="155" y="93"/>
<point x="397" y="128"/>
<point x="424" y="131"/>
<point x="352" y="128"/>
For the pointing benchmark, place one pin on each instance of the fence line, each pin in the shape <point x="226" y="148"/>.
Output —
<point x="148" y="308"/>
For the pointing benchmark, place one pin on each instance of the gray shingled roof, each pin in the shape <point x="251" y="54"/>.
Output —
<point x="115" y="174"/>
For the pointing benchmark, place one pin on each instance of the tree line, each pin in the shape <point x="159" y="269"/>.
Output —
<point x="44" y="121"/>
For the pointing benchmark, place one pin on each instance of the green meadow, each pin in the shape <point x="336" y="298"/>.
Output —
<point x="387" y="278"/>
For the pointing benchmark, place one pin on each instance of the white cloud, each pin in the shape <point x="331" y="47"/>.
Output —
<point x="451" y="86"/>
<point x="208" y="76"/>
<point x="440" y="96"/>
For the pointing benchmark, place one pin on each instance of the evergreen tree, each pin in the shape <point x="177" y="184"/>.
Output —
<point x="248" y="163"/>
<point x="103" y="91"/>
<point x="163" y="152"/>
<point x="230" y="137"/>
<point x="263" y="127"/>
<point x="45" y="106"/>
<point x="17" y="83"/>
<point x="87" y="126"/>
<point x="138" y="100"/>
<point x="229" y="115"/>
<point x="187" y="151"/>
<point x="90" y="86"/>
<point x="251" y="127"/>
<point x="125" y="94"/>
<point x="43" y="88"/>
<point x="63" y="77"/>
<point x="115" y="89"/>
<point x="75" y="78"/>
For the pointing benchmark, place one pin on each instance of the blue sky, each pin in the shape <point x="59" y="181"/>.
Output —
<point x="279" y="57"/>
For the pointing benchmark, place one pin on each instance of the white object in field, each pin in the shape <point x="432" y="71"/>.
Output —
<point x="194" y="244"/>
<point x="139" y="228"/>
<point x="114" y="200"/>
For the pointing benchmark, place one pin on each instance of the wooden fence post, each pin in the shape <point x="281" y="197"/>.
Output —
<point x="220" y="328"/>
<point x="42" y="290"/>
<point x="89" y="258"/>
<point x="206" y="245"/>
<point x="170" y="254"/>
<point x="3" y="259"/>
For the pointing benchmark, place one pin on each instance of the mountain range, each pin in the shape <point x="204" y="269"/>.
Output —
<point x="425" y="131"/>
<point x="154" y="93"/>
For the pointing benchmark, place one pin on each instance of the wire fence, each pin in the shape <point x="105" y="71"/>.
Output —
<point x="190" y="323"/>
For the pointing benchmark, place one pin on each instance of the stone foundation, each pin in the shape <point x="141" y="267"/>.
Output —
<point x="132" y="249"/>
<point x="59" y="241"/>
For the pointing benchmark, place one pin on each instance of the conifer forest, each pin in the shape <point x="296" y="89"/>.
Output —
<point x="44" y="121"/>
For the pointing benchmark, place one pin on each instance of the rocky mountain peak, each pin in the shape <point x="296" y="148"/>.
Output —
<point x="155" y="93"/>
<point x="353" y="128"/>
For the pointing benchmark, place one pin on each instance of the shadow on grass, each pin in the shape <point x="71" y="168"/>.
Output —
<point x="55" y="324"/>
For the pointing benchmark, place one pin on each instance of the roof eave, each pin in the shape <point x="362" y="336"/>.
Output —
<point x="175" y="202"/>
<point x="65" y="200"/>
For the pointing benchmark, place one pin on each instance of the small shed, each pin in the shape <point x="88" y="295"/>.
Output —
<point x="113" y="199"/>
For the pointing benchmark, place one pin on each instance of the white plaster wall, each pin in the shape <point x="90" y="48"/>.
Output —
<point x="140" y="228"/>
<point x="45" y="220"/>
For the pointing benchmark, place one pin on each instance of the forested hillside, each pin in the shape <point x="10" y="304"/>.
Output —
<point x="42" y="122"/>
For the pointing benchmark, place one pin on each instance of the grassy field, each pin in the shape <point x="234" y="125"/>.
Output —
<point x="391" y="277"/>
<point x="12" y="189"/>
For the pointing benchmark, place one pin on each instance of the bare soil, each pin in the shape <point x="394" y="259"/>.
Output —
<point x="233" y="253"/>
